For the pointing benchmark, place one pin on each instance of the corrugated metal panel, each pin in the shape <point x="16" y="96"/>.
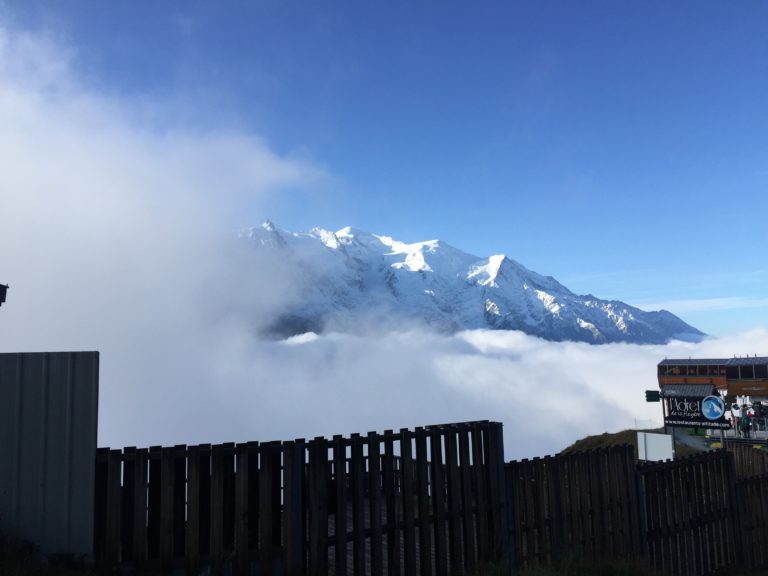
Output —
<point x="695" y="362"/>
<point x="747" y="361"/>
<point x="690" y="390"/>
<point x="48" y="423"/>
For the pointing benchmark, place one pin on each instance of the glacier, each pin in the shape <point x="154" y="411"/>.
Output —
<point x="351" y="276"/>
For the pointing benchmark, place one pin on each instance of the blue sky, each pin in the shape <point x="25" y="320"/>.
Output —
<point x="621" y="147"/>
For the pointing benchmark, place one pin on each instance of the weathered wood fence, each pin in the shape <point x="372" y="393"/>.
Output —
<point x="437" y="500"/>
<point x="422" y="502"/>
<point x="688" y="517"/>
<point x="580" y="505"/>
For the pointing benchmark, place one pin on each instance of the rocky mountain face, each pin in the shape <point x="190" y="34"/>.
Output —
<point x="352" y="276"/>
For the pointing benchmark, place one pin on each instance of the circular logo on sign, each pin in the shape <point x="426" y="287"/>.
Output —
<point x="712" y="407"/>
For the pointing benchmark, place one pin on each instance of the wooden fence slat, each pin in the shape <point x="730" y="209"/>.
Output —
<point x="438" y="502"/>
<point x="206" y="457"/>
<point x="596" y="501"/>
<point x="688" y="526"/>
<point x="217" y="509"/>
<point x="139" y="528"/>
<point x="543" y="542"/>
<point x="713" y="542"/>
<point x="179" y="502"/>
<point x="729" y="473"/>
<point x="407" y="486"/>
<point x="481" y="487"/>
<point x="340" y="510"/>
<point x="193" y="511"/>
<point x="454" y="500"/>
<point x="468" y="520"/>
<point x="357" y="480"/>
<point x="391" y="496"/>
<point x="293" y="526"/>
<point x="242" y="563"/>
<point x="154" y="503"/>
<point x="494" y="456"/>
<point x="699" y="520"/>
<point x="228" y="519"/>
<point x="113" y="506"/>
<point x="127" y="508"/>
<point x="525" y="515"/>
<point x="267" y="510"/>
<point x="425" y="524"/>
<point x="166" y="508"/>
<point x="574" y="505"/>
<point x="678" y="503"/>
<point x="318" y="506"/>
<point x="374" y="499"/>
<point x="101" y="480"/>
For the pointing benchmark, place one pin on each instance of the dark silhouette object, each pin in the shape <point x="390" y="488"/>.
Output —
<point x="3" y="290"/>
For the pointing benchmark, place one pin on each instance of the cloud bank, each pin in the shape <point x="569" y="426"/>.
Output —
<point x="118" y="234"/>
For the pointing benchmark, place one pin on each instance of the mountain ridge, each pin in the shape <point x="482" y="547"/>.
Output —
<point x="351" y="272"/>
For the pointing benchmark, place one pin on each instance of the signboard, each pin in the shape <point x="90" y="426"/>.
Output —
<point x="707" y="412"/>
<point x="654" y="447"/>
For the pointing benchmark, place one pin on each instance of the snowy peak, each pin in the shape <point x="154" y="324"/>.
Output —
<point x="266" y="235"/>
<point x="351" y="273"/>
<point x="487" y="272"/>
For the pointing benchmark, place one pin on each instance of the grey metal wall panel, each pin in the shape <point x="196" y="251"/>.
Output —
<point x="48" y="424"/>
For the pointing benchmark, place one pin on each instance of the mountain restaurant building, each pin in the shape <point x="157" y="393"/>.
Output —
<point x="730" y="377"/>
<point x="699" y="393"/>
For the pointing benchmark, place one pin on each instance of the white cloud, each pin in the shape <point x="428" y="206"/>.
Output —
<point x="118" y="235"/>
<point x="547" y="394"/>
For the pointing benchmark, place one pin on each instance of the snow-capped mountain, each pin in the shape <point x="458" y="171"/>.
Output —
<point x="351" y="274"/>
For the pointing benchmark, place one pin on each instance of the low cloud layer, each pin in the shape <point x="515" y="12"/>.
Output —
<point x="118" y="235"/>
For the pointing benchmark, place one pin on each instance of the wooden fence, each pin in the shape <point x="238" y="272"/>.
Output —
<point x="584" y="504"/>
<point x="689" y="517"/>
<point x="691" y="521"/>
<point x="748" y="460"/>
<point x="437" y="500"/>
<point x="422" y="502"/>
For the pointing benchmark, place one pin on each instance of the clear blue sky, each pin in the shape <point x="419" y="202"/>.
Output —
<point x="621" y="147"/>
